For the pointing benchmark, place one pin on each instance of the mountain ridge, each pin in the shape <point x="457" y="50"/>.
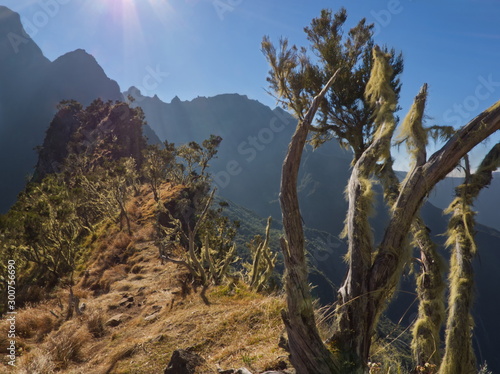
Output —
<point x="248" y="168"/>
<point x="32" y="86"/>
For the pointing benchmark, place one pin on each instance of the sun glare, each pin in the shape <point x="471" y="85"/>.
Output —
<point x="127" y="10"/>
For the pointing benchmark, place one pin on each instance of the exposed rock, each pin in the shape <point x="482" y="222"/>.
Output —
<point x="183" y="362"/>
<point x="83" y="307"/>
<point x="283" y="343"/>
<point x="116" y="320"/>
<point x="151" y="317"/>
<point x="156" y="308"/>
<point x="243" y="371"/>
<point x="280" y="367"/>
<point x="127" y="301"/>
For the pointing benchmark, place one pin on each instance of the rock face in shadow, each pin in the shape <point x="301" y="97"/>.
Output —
<point x="183" y="362"/>
<point x="115" y="132"/>
<point x="31" y="86"/>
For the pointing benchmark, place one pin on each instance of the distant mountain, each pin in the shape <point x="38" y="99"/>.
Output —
<point x="31" y="86"/>
<point x="255" y="139"/>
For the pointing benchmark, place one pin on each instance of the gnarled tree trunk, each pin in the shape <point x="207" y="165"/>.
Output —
<point x="308" y="354"/>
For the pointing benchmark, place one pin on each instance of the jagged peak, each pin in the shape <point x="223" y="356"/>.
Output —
<point x="15" y="42"/>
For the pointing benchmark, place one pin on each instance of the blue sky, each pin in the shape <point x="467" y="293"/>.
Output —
<point x="193" y="48"/>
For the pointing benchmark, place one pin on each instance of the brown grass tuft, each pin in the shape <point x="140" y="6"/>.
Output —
<point x="111" y="276"/>
<point x="121" y="240"/>
<point x="144" y="233"/>
<point x="34" y="322"/>
<point x="95" y="323"/>
<point x="66" y="345"/>
<point x="37" y="361"/>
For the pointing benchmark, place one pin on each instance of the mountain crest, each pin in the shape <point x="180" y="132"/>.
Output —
<point x="16" y="46"/>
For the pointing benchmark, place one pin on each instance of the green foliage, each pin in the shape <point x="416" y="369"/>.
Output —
<point x="186" y="164"/>
<point x="295" y="78"/>
<point x="190" y="220"/>
<point x="219" y="247"/>
<point x="195" y="158"/>
<point x="100" y="133"/>
<point x="159" y="164"/>
<point x="209" y="262"/>
<point x="50" y="226"/>
<point x="97" y="157"/>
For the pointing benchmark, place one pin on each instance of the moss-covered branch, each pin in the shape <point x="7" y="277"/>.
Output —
<point x="459" y="355"/>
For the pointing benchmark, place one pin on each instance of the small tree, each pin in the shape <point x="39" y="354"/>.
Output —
<point x="373" y="272"/>
<point x="50" y="228"/>
<point x="159" y="164"/>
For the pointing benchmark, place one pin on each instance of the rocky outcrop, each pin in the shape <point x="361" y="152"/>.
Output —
<point x="183" y="362"/>
<point x="102" y="132"/>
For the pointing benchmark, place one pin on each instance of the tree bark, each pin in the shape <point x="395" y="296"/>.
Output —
<point x="431" y="309"/>
<point x="308" y="353"/>
<point x="430" y="285"/>
<point x="377" y="283"/>
<point x="388" y="264"/>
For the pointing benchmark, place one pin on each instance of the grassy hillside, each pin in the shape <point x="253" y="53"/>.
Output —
<point x="134" y="311"/>
<point x="138" y="311"/>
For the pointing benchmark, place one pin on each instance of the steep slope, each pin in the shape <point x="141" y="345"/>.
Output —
<point x="136" y="311"/>
<point x="31" y="87"/>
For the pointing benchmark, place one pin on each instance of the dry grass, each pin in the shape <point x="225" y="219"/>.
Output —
<point x="38" y="361"/>
<point x="67" y="344"/>
<point x="144" y="233"/>
<point x="95" y="323"/>
<point x="34" y="323"/>
<point x="238" y="328"/>
<point x="162" y="312"/>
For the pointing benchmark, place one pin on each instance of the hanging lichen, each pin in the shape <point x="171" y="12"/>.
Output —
<point x="380" y="94"/>
<point x="459" y="355"/>
<point x="412" y="129"/>
<point x="430" y="285"/>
